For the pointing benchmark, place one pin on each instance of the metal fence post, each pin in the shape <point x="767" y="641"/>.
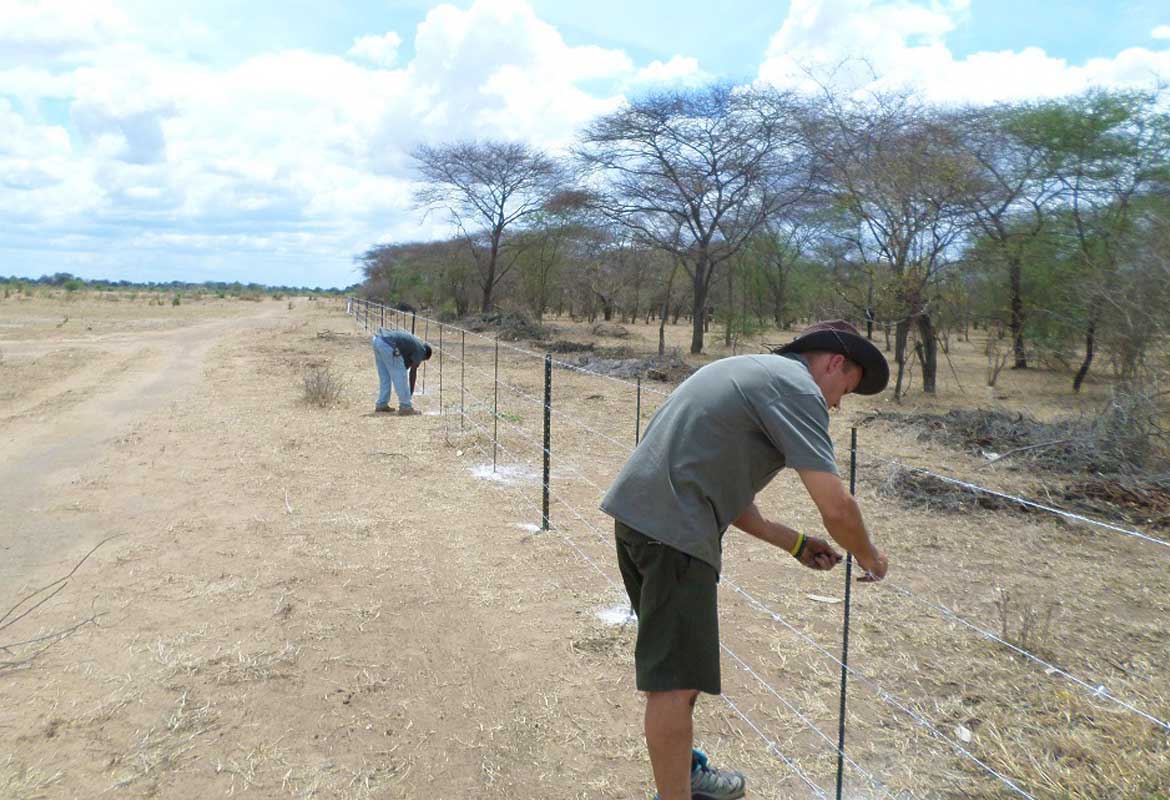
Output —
<point x="638" y="414"/>
<point x="382" y="311"/>
<point x="426" y="334"/>
<point x="845" y="632"/>
<point x="462" y="373"/>
<point x="496" y="404"/>
<point x="412" y="316"/>
<point x="544" y="521"/>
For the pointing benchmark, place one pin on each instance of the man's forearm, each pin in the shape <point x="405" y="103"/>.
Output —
<point x="848" y="530"/>
<point x="752" y="522"/>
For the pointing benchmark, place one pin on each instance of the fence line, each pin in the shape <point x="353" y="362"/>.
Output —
<point x="601" y="536"/>
<point x="559" y="363"/>
<point x="1095" y="691"/>
<point x="773" y="747"/>
<point x="538" y="445"/>
<point x="1098" y="692"/>
<point x="743" y="664"/>
<point x="626" y="449"/>
<point x="881" y="693"/>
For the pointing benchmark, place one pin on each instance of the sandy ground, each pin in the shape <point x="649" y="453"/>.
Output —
<point x="330" y="603"/>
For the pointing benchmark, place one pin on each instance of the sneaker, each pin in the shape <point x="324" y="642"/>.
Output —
<point x="708" y="783"/>
<point x="408" y="411"/>
<point x="383" y="409"/>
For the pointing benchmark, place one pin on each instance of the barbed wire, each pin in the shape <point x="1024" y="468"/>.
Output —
<point x="622" y="446"/>
<point x="598" y="534"/>
<point x="538" y="445"/>
<point x="882" y="693"/>
<point x="540" y="515"/>
<point x="877" y="784"/>
<point x="1098" y="691"/>
<point x="540" y="356"/>
<point x="773" y="747"/>
<point x="1023" y="501"/>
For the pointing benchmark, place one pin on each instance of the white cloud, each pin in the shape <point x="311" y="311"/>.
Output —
<point x="168" y="159"/>
<point x="1161" y="32"/>
<point x="381" y="51"/>
<point x="875" y="44"/>
<point x="35" y="30"/>
<point x="678" y="70"/>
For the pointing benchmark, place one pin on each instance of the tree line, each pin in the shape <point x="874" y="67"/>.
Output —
<point x="1046" y="223"/>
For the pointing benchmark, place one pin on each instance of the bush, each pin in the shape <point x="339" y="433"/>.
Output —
<point x="322" y="387"/>
<point x="177" y="300"/>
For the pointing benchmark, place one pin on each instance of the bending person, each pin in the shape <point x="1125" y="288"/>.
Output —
<point x="720" y="438"/>
<point x="397" y="355"/>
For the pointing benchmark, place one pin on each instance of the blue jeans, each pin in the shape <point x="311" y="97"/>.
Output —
<point x="391" y="371"/>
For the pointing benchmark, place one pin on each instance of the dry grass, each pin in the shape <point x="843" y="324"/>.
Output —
<point x="323" y="387"/>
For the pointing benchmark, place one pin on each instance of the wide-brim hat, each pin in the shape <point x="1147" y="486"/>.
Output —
<point x="838" y="336"/>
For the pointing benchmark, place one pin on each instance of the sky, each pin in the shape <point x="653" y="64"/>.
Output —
<point x="158" y="140"/>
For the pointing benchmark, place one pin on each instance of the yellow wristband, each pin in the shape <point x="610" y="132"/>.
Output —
<point x="799" y="543"/>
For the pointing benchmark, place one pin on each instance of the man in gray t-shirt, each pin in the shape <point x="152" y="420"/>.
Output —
<point x="718" y="440"/>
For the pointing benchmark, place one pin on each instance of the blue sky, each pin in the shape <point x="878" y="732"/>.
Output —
<point x="268" y="141"/>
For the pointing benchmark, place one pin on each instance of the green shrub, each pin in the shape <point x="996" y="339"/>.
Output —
<point x="177" y="300"/>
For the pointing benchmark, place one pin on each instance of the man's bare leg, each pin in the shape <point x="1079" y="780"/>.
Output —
<point x="669" y="736"/>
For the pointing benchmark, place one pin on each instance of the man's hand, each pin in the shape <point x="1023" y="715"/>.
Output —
<point x="876" y="570"/>
<point x="818" y="554"/>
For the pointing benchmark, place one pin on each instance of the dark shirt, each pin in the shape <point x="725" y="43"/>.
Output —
<point x="412" y="349"/>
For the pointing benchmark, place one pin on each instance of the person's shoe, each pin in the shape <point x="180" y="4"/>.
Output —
<point x="408" y="411"/>
<point x="383" y="409"/>
<point x="708" y="783"/>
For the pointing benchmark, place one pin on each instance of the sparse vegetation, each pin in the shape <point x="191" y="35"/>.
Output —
<point x="323" y="387"/>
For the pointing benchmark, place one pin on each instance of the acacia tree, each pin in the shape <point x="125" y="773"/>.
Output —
<point x="486" y="188"/>
<point x="891" y="173"/>
<point x="696" y="174"/>
<point x="1105" y="151"/>
<point x="1009" y="192"/>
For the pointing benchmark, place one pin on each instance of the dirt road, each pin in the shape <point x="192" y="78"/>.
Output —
<point x="66" y="425"/>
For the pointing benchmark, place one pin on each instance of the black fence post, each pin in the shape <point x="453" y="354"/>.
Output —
<point x="845" y="633"/>
<point x="544" y="521"/>
<point x="638" y="414"/>
<point x="412" y="316"/>
<point x="426" y="335"/>
<point x="382" y="310"/>
<point x="462" y="373"/>
<point x="496" y="404"/>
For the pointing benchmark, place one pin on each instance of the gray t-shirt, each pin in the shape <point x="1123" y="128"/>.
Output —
<point x="720" y="438"/>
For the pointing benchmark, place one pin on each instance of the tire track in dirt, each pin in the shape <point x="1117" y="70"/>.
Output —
<point x="42" y="453"/>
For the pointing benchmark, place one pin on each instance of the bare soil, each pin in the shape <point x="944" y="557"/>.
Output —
<point x="340" y="604"/>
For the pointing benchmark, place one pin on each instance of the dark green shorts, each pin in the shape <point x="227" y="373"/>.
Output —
<point x="674" y="596"/>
